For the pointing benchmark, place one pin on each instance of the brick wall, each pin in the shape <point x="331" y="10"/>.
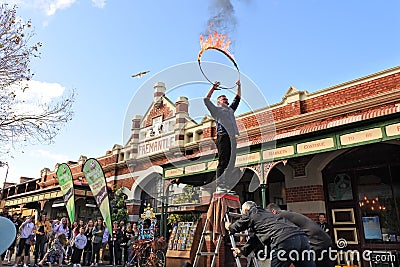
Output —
<point x="299" y="165"/>
<point x="312" y="216"/>
<point x="351" y="93"/>
<point x="329" y="99"/>
<point x="305" y="193"/>
<point x="165" y="111"/>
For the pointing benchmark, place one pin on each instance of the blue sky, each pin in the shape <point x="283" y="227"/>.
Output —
<point x="93" y="47"/>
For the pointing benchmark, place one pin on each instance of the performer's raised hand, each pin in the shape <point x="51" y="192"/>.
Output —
<point x="216" y="86"/>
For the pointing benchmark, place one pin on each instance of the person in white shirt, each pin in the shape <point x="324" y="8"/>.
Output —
<point x="24" y="245"/>
<point x="62" y="228"/>
<point x="79" y="243"/>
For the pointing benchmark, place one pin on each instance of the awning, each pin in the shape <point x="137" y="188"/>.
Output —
<point x="33" y="198"/>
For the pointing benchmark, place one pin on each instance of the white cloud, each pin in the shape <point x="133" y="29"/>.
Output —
<point x="52" y="6"/>
<point x="99" y="3"/>
<point x="42" y="91"/>
<point x="37" y="96"/>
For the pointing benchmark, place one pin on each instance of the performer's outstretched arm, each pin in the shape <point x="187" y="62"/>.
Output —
<point x="239" y="90"/>
<point x="212" y="89"/>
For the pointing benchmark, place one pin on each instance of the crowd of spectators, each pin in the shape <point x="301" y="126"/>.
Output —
<point x="78" y="243"/>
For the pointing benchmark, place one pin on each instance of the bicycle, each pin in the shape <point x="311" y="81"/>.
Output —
<point x="148" y="253"/>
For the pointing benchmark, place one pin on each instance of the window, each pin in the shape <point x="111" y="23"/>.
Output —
<point x="379" y="204"/>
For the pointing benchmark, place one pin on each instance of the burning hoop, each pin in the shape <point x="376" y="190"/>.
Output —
<point x="217" y="42"/>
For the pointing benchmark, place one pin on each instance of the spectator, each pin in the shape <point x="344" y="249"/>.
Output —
<point x="104" y="242"/>
<point x="10" y="251"/>
<point x="323" y="224"/>
<point x="56" y="251"/>
<point x="87" y="252"/>
<point x="42" y="229"/>
<point x="24" y="244"/>
<point x="62" y="227"/>
<point x="5" y="213"/>
<point x="114" y="244"/>
<point x="78" y="244"/>
<point x="98" y="231"/>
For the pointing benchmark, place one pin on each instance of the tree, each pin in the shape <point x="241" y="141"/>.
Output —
<point x="119" y="212"/>
<point x="20" y="119"/>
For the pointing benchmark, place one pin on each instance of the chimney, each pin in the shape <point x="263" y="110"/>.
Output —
<point x="159" y="91"/>
<point x="135" y="136"/>
<point x="182" y="112"/>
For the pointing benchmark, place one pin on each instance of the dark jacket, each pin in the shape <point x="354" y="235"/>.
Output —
<point x="267" y="227"/>
<point x="318" y="238"/>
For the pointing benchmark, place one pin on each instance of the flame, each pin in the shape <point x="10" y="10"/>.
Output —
<point x="215" y="40"/>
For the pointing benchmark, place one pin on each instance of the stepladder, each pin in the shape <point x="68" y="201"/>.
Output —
<point x="244" y="237"/>
<point x="221" y="209"/>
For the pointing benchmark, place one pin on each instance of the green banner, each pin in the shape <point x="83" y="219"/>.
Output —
<point x="64" y="176"/>
<point x="95" y="177"/>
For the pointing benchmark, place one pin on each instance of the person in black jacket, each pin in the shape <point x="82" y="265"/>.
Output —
<point x="320" y="241"/>
<point x="289" y="244"/>
<point x="87" y="251"/>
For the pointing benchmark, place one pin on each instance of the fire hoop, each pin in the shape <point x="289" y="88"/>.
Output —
<point x="217" y="42"/>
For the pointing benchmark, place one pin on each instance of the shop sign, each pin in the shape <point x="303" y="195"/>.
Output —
<point x="156" y="146"/>
<point x="278" y="152"/>
<point x="244" y="159"/>
<point x="361" y="136"/>
<point x="195" y="168"/>
<point x="212" y="165"/>
<point x="316" y="145"/>
<point x="173" y="172"/>
<point x="392" y="130"/>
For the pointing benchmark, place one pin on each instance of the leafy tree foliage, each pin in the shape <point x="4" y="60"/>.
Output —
<point x="119" y="212"/>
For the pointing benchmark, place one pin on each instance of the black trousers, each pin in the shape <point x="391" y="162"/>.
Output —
<point x="39" y="252"/>
<point x="76" y="255"/>
<point x="87" y="253"/>
<point x="115" y="251"/>
<point x="226" y="146"/>
<point x="96" y="252"/>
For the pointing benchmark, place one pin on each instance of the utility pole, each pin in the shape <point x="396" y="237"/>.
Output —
<point x="2" y="164"/>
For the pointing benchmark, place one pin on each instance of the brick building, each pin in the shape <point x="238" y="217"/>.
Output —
<point x="334" y="151"/>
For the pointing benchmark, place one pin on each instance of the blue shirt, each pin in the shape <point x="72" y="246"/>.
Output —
<point x="224" y="116"/>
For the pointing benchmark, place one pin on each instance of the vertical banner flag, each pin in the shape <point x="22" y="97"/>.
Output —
<point x="64" y="176"/>
<point x="97" y="182"/>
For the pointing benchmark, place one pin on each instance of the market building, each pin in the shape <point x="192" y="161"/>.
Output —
<point x="334" y="151"/>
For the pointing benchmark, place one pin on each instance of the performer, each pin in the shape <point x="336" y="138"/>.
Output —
<point x="227" y="130"/>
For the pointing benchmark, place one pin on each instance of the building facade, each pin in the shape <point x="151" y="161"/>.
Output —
<point x="334" y="151"/>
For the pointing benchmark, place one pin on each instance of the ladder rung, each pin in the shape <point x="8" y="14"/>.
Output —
<point x="207" y="253"/>
<point x="240" y="234"/>
<point x="235" y="215"/>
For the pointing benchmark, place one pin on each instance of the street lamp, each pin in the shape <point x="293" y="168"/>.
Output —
<point x="2" y="164"/>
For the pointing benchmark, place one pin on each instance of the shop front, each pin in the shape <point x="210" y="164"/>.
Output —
<point x="363" y="193"/>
